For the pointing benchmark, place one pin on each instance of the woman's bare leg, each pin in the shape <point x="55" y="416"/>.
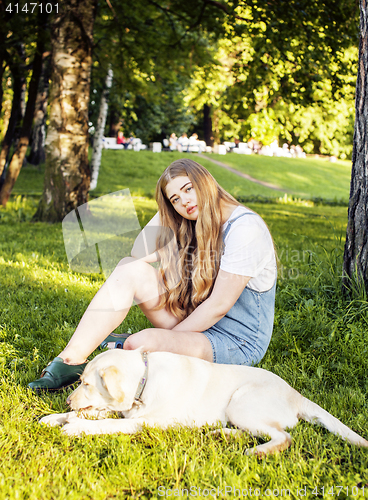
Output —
<point x="194" y="344"/>
<point x="131" y="279"/>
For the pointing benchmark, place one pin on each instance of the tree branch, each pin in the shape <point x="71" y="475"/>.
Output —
<point x="223" y="7"/>
<point x="112" y="9"/>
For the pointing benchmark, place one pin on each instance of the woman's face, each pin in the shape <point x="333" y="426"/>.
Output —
<point x="181" y="194"/>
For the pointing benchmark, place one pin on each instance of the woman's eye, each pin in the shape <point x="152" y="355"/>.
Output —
<point x="175" y="200"/>
<point x="189" y="188"/>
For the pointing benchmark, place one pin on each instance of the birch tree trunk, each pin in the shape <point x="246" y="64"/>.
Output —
<point x="356" y="246"/>
<point x="100" y="128"/>
<point x="67" y="173"/>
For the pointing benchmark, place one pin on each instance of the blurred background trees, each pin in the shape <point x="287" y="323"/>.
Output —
<point x="274" y="70"/>
<point x="271" y="70"/>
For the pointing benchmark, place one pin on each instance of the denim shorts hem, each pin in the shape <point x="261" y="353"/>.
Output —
<point x="212" y="346"/>
<point x="231" y="349"/>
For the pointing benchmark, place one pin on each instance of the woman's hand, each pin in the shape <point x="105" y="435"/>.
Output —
<point x="226" y="291"/>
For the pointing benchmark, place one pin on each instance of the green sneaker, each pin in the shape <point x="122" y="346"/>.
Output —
<point x="57" y="375"/>
<point x="114" y="341"/>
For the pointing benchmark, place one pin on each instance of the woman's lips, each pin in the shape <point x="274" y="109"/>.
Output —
<point x="191" y="209"/>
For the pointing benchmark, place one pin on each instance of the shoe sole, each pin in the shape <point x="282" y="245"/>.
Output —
<point x="115" y="344"/>
<point x="40" y="390"/>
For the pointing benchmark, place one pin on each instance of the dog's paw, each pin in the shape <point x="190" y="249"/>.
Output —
<point x="226" y="433"/>
<point x="251" y="452"/>
<point x="57" y="418"/>
<point x="80" y="426"/>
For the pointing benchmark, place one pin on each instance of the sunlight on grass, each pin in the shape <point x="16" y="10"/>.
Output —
<point x="319" y="346"/>
<point x="305" y="177"/>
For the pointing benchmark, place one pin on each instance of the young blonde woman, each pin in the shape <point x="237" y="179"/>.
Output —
<point x="212" y="297"/>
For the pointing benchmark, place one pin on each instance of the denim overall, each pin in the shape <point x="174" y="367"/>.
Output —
<point x="242" y="336"/>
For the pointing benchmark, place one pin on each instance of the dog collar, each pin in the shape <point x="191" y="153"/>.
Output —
<point x="142" y="383"/>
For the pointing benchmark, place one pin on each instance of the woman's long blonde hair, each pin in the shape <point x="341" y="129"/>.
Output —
<point x="190" y="251"/>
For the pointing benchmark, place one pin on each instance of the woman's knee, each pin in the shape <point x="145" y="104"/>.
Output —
<point x="147" y="338"/>
<point x="131" y="268"/>
<point x="125" y="264"/>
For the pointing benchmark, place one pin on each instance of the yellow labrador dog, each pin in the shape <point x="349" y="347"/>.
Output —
<point x="163" y="389"/>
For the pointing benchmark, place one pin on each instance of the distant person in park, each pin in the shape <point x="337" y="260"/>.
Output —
<point x="193" y="141"/>
<point x="299" y="152"/>
<point x="122" y="140"/>
<point x="173" y="142"/>
<point x="183" y="143"/>
<point x="213" y="296"/>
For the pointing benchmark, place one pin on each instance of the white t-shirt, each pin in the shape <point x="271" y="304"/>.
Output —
<point x="249" y="250"/>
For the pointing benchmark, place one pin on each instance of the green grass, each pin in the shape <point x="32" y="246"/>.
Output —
<point x="301" y="178"/>
<point x="319" y="346"/>
<point x="304" y="177"/>
<point x="139" y="172"/>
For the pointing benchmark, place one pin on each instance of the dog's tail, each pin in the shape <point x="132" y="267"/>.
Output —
<point x="313" y="413"/>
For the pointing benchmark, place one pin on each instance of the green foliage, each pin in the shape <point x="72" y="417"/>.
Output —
<point x="150" y="119"/>
<point x="277" y="70"/>
<point x="153" y="49"/>
<point x="301" y="43"/>
<point x="247" y="90"/>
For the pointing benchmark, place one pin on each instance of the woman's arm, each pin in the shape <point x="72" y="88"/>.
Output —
<point x="144" y="247"/>
<point x="228" y="288"/>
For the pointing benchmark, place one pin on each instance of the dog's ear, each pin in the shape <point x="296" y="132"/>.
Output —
<point x="112" y="381"/>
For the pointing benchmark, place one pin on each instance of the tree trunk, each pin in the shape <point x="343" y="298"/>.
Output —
<point x="21" y="150"/>
<point x="356" y="246"/>
<point x="2" y="70"/>
<point x="98" y="137"/>
<point x="67" y="174"/>
<point x="115" y="123"/>
<point x="19" y="83"/>
<point x="2" y="57"/>
<point x="37" y="153"/>
<point x="207" y="125"/>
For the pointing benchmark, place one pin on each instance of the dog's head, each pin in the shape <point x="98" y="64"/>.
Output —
<point x="109" y="382"/>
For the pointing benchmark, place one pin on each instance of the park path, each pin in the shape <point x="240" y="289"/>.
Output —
<point x="246" y="176"/>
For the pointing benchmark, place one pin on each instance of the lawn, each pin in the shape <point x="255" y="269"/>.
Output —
<point x="303" y="177"/>
<point x="319" y="346"/>
<point x="139" y="172"/>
